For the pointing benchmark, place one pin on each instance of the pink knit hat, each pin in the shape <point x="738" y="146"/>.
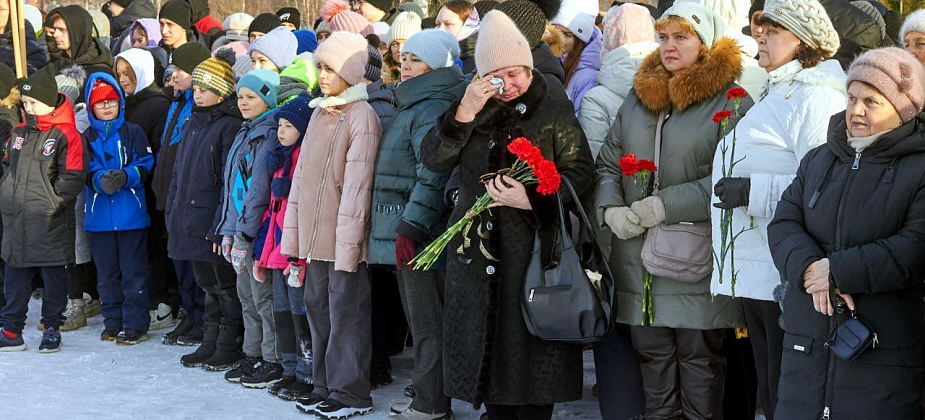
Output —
<point x="896" y="74"/>
<point x="627" y="24"/>
<point x="339" y="16"/>
<point x="346" y="54"/>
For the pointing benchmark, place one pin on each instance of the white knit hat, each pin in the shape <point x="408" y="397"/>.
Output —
<point x="915" y="22"/>
<point x="710" y="28"/>
<point x="404" y="25"/>
<point x="238" y="23"/>
<point x="807" y="20"/>
<point x="578" y="16"/>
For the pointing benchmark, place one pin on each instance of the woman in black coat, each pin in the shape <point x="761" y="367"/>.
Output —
<point x="851" y="230"/>
<point x="488" y="354"/>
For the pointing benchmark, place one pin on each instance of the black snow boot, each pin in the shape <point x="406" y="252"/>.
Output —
<point x="227" y="349"/>
<point x="185" y="325"/>
<point x="206" y="348"/>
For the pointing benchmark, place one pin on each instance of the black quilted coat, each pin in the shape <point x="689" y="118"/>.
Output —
<point x="488" y="354"/>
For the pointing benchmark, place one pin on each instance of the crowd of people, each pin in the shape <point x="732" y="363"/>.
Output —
<point x="153" y="173"/>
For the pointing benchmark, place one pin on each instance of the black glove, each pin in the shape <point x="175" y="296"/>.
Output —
<point x="113" y="181"/>
<point x="732" y="192"/>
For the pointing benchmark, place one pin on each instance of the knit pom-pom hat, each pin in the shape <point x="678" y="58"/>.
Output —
<point x="346" y="54"/>
<point x="339" y="16"/>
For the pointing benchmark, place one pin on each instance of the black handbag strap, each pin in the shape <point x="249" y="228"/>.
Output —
<point x="585" y="223"/>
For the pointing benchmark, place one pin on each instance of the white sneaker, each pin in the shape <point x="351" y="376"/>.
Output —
<point x="161" y="318"/>
<point x="74" y="315"/>
<point x="92" y="308"/>
<point x="410" y="414"/>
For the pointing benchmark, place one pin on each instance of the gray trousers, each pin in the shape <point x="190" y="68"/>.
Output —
<point x="339" y="308"/>
<point x="257" y="308"/>
<point x="422" y="292"/>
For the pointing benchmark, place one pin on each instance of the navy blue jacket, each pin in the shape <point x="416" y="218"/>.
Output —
<point x="177" y="116"/>
<point x="194" y="194"/>
<point x="116" y="144"/>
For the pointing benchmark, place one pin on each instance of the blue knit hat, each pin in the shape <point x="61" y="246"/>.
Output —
<point x="264" y="83"/>
<point x="279" y="45"/>
<point x="308" y="41"/>
<point x="437" y="48"/>
<point x="297" y="112"/>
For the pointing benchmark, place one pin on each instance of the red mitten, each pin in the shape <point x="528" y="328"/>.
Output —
<point x="404" y="251"/>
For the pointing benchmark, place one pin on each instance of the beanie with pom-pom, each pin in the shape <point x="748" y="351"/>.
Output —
<point x="215" y="74"/>
<point x="346" y="54"/>
<point x="339" y="16"/>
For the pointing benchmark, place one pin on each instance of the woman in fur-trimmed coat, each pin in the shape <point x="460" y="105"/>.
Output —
<point x="680" y="350"/>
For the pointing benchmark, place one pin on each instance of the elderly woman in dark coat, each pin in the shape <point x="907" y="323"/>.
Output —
<point x="489" y="355"/>
<point x="836" y="263"/>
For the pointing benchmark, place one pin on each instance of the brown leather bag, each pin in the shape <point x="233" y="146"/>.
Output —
<point x="680" y="251"/>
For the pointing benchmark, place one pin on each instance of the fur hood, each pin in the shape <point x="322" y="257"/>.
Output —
<point x="659" y="89"/>
<point x="555" y="39"/>
<point x="352" y="94"/>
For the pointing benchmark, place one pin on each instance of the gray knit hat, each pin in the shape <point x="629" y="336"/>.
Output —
<point x="915" y="22"/>
<point x="807" y="20"/>
<point x="70" y="81"/>
<point x="710" y="28"/>
<point x="435" y="47"/>
<point x="373" y="69"/>
<point x="874" y="14"/>
<point x="279" y="45"/>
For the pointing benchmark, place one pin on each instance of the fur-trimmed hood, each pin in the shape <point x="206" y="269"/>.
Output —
<point x="659" y="89"/>
<point x="352" y="94"/>
<point x="555" y="39"/>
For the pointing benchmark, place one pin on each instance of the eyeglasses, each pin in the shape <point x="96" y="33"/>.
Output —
<point x="106" y="104"/>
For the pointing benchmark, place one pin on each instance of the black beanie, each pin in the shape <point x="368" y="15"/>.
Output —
<point x="384" y="5"/>
<point x="264" y="22"/>
<point x="290" y="15"/>
<point x="485" y="6"/>
<point x="756" y="6"/>
<point x="7" y="80"/>
<point x="189" y="55"/>
<point x="177" y="11"/>
<point x="529" y="17"/>
<point x="41" y="86"/>
<point x="123" y="3"/>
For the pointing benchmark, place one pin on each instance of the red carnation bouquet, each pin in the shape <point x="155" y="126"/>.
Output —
<point x="641" y="170"/>
<point x="531" y="168"/>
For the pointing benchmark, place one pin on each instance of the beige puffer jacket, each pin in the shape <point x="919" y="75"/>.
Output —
<point x="328" y="214"/>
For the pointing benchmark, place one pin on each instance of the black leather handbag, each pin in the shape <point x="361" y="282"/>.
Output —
<point x="560" y="302"/>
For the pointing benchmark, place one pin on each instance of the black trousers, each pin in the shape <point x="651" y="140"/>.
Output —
<point x="81" y="278"/>
<point x="767" y="339"/>
<point x="740" y="392"/>
<point x="519" y="412"/>
<point x="163" y="286"/>
<point x="220" y="284"/>
<point x="619" y="377"/>
<point x="683" y="372"/>
<point x="389" y="327"/>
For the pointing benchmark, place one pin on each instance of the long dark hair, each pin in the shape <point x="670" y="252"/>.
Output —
<point x="572" y="58"/>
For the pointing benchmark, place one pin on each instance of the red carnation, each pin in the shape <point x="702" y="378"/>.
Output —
<point x="629" y="165"/>
<point x="736" y="92"/>
<point x="548" y="177"/>
<point x="647" y="165"/>
<point x="525" y="151"/>
<point x="721" y="115"/>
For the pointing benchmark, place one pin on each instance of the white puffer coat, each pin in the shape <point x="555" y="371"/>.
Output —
<point x="789" y="121"/>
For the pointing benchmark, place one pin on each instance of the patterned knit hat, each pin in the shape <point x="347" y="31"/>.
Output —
<point x="500" y="44"/>
<point x="530" y="17"/>
<point x="337" y="13"/>
<point x="279" y="45"/>
<point x="264" y="83"/>
<point x="297" y="112"/>
<point x="404" y="25"/>
<point x="373" y="70"/>
<point x="215" y="74"/>
<point x="896" y="74"/>
<point x="807" y="20"/>
<point x="290" y="15"/>
<point x="70" y="81"/>
<point x="346" y="54"/>
<point x="263" y="23"/>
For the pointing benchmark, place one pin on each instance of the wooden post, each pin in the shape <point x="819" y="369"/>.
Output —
<point x="18" y="25"/>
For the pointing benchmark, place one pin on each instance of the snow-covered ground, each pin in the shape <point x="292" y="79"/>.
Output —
<point x="90" y="379"/>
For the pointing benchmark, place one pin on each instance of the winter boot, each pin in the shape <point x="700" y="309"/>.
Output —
<point x="298" y="391"/>
<point x="264" y="374"/>
<point x="275" y="389"/>
<point x="309" y="404"/>
<point x="130" y="337"/>
<point x="92" y="307"/>
<point x="184" y="326"/>
<point x="161" y="318"/>
<point x="246" y="367"/>
<point x="192" y="337"/>
<point x="74" y="315"/>
<point x="110" y="334"/>
<point x="206" y="349"/>
<point x="332" y="409"/>
<point x="10" y="341"/>
<point x="51" y="341"/>
<point x="227" y="349"/>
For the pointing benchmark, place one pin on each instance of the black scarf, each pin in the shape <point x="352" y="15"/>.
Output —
<point x="281" y="157"/>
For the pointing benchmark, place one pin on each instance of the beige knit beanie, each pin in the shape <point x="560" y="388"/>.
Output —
<point x="500" y="44"/>
<point x="807" y="20"/>
<point x="346" y="54"/>
<point x="896" y="74"/>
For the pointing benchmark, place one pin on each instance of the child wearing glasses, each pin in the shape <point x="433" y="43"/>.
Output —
<point x="116" y="219"/>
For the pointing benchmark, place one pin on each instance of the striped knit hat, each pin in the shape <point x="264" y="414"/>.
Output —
<point x="215" y="75"/>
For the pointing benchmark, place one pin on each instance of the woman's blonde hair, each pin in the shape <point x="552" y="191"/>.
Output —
<point x="677" y="21"/>
<point x="12" y="100"/>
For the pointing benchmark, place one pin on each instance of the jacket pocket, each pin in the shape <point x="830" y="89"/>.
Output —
<point x="798" y="344"/>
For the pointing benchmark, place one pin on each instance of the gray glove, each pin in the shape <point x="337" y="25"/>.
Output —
<point x="113" y="181"/>
<point x="239" y="252"/>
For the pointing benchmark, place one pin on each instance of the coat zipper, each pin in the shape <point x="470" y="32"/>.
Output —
<point x="830" y="369"/>
<point x="324" y="175"/>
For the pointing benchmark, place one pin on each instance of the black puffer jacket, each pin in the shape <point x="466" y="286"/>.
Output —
<point x="857" y="31"/>
<point x="86" y="51"/>
<point x="44" y="168"/>
<point x="196" y="186"/>
<point x="827" y="213"/>
<point x="482" y="309"/>
<point x="36" y="57"/>
<point x="550" y="66"/>
<point x="148" y="109"/>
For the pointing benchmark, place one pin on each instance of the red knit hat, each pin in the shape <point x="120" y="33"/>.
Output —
<point x="102" y="91"/>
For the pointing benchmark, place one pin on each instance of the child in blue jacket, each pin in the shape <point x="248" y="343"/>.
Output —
<point x="116" y="219"/>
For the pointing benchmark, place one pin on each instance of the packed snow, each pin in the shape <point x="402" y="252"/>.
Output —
<point x="90" y="379"/>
